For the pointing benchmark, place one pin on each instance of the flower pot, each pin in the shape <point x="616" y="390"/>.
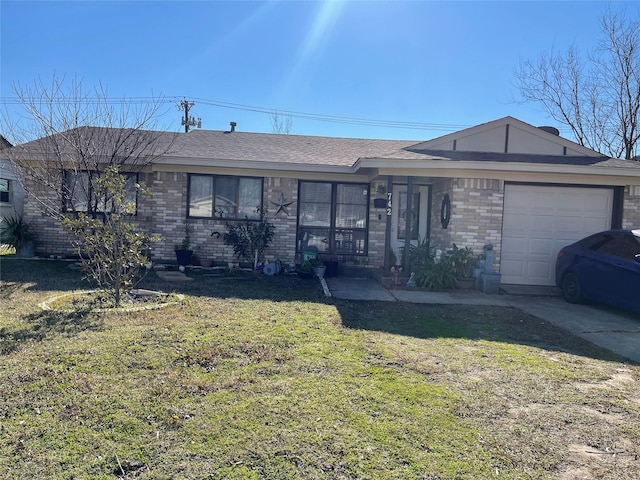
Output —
<point x="319" y="271"/>
<point x="206" y="262"/>
<point x="183" y="257"/>
<point x="305" y="274"/>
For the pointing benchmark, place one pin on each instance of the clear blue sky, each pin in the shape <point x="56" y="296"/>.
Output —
<point x="448" y="64"/>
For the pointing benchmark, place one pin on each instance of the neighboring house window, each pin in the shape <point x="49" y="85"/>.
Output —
<point x="224" y="197"/>
<point x="4" y="190"/>
<point x="333" y="217"/>
<point x="79" y="194"/>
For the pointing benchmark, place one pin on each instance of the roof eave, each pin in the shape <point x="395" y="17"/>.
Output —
<point x="501" y="170"/>
<point x="178" y="164"/>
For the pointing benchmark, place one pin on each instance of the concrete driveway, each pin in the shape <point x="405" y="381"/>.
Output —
<point x="614" y="330"/>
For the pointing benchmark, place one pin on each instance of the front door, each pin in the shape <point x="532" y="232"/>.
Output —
<point x="400" y="218"/>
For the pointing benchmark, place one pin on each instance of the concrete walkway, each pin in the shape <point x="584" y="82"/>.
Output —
<point x="614" y="330"/>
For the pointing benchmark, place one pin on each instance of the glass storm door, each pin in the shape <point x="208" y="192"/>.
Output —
<point x="417" y="219"/>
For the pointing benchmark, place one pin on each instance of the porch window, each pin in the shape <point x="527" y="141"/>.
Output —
<point x="4" y="190"/>
<point x="234" y="198"/>
<point x="333" y="217"/>
<point x="80" y="196"/>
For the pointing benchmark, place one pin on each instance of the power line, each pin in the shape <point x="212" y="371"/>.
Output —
<point x="250" y="108"/>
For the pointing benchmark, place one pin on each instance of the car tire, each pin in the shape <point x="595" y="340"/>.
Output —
<point x="571" y="289"/>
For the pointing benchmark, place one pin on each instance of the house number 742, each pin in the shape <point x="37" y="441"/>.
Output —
<point x="389" y="204"/>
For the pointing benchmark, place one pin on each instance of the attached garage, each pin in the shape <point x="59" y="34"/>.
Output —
<point x="539" y="220"/>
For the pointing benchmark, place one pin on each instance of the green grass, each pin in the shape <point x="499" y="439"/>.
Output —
<point x="257" y="378"/>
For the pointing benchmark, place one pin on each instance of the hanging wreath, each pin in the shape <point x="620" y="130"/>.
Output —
<point x="445" y="211"/>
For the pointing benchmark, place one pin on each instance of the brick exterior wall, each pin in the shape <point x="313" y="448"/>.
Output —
<point x="476" y="220"/>
<point x="164" y="213"/>
<point x="476" y="215"/>
<point x="631" y="207"/>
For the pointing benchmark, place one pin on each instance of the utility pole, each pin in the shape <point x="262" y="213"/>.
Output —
<point x="187" y="120"/>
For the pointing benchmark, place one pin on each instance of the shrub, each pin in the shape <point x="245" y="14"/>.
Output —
<point x="436" y="276"/>
<point x="111" y="248"/>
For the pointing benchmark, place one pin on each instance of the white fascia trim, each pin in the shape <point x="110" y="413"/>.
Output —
<point x="183" y="164"/>
<point x="433" y="166"/>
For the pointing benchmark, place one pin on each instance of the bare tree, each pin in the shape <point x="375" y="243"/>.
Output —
<point x="281" y="123"/>
<point x="597" y="98"/>
<point x="66" y="135"/>
<point x="77" y="155"/>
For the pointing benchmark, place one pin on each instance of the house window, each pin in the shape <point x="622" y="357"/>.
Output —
<point x="80" y="196"/>
<point x="4" y="190"/>
<point x="225" y="197"/>
<point x="333" y="217"/>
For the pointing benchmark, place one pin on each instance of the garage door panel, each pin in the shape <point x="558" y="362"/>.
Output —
<point x="541" y="223"/>
<point x="568" y="225"/>
<point x="540" y="246"/>
<point x="538" y="270"/>
<point x="513" y="246"/>
<point x="513" y="266"/>
<point x="539" y="220"/>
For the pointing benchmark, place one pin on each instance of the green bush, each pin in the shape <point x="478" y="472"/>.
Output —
<point x="463" y="261"/>
<point x="15" y="232"/>
<point x="436" y="276"/>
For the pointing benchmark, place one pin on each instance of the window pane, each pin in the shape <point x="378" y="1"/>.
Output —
<point x="351" y="216"/>
<point x="315" y="192"/>
<point x="105" y="203"/>
<point x="250" y="198"/>
<point x="353" y="194"/>
<point x="313" y="237"/>
<point x="78" y="187"/>
<point x="346" y="233"/>
<point x="226" y="194"/>
<point x="315" y="215"/>
<point x="130" y="187"/>
<point x="315" y="204"/>
<point x="4" y="190"/>
<point x="350" y="242"/>
<point x="200" y="196"/>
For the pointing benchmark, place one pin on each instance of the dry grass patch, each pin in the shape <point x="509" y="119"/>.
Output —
<point x="265" y="378"/>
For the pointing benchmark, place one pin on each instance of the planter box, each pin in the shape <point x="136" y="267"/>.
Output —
<point x="466" y="283"/>
<point x="490" y="282"/>
<point x="183" y="257"/>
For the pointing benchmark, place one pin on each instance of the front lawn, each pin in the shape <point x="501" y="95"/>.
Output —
<point x="264" y="377"/>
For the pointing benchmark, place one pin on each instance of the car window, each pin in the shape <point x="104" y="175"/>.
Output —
<point x="614" y="244"/>
<point x="598" y="243"/>
<point x="629" y="246"/>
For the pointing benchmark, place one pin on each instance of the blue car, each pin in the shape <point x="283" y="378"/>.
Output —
<point x="604" y="267"/>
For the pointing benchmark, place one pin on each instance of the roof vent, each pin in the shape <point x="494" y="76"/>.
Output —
<point x="233" y="126"/>
<point x="551" y="130"/>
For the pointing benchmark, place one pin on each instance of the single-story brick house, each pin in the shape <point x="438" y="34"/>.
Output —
<point x="523" y="189"/>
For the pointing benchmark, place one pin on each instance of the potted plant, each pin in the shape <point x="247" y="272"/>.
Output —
<point x="249" y="238"/>
<point x="463" y="261"/>
<point x="17" y="233"/>
<point x="184" y="253"/>
<point x="305" y="271"/>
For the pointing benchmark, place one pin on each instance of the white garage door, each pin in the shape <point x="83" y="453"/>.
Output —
<point x="538" y="221"/>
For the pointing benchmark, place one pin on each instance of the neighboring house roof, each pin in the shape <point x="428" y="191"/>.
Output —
<point x="4" y="143"/>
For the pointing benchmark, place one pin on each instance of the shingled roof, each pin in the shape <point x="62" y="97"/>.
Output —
<point x="291" y="149"/>
<point x="211" y="147"/>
